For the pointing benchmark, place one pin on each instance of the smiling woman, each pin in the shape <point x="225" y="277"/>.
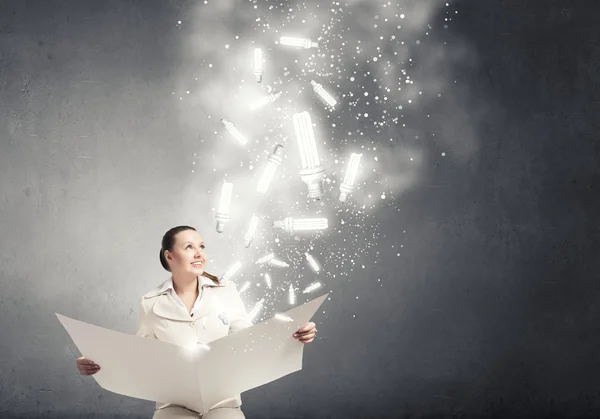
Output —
<point x="192" y="307"/>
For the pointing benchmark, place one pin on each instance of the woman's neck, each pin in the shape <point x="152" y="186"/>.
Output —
<point x="185" y="286"/>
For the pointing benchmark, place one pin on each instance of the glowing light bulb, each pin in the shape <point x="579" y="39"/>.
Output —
<point x="231" y="271"/>
<point x="222" y="215"/>
<point x="249" y="237"/>
<point x="258" y="65"/>
<point x="292" y="225"/>
<point x="255" y="310"/>
<point x="347" y="186"/>
<point x="265" y="258"/>
<point x="312" y="287"/>
<point x="298" y="42"/>
<point x="323" y="94"/>
<point x="245" y="287"/>
<point x="283" y="318"/>
<point x="312" y="262"/>
<point x="292" y="295"/>
<point x="278" y="263"/>
<point x="265" y="100"/>
<point x="273" y="161"/>
<point x="234" y="132"/>
<point x="268" y="280"/>
<point x="312" y="173"/>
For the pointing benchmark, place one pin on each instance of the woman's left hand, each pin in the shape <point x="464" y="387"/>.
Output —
<point x="307" y="333"/>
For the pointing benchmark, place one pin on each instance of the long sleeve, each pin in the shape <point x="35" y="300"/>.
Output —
<point x="237" y="311"/>
<point x="144" y="327"/>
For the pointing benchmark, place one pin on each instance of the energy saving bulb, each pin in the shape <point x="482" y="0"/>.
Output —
<point x="249" y="237"/>
<point x="274" y="160"/>
<point x="323" y="94"/>
<point x="265" y="258"/>
<point x="258" y="65"/>
<point x="234" y="132"/>
<point x="265" y="100"/>
<point x="278" y="263"/>
<point x="347" y="186"/>
<point x="268" y="280"/>
<point x="245" y="287"/>
<point x="312" y="262"/>
<point x="283" y="318"/>
<point x="231" y="271"/>
<point x="312" y="172"/>
<point x="298" y="42"/>
<point x="292" y="294"/>
<point x="312" y="287"/>
<point x="255" y="310"/>
<point x="224" y="204"/>
<point x="292" y="225"/>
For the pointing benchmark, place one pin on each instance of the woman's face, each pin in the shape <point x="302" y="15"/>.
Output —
<point x="188" y="254"/>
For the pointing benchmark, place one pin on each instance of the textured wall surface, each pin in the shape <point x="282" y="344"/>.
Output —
<point x="489" y="308"/>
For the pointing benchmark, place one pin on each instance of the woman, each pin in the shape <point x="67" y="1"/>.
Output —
<point x="191" y="307"/>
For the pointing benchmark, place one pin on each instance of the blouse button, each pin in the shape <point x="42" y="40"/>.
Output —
<point x="192" y="324"/>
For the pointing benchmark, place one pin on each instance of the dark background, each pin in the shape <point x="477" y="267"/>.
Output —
<point x="489" y="311"/>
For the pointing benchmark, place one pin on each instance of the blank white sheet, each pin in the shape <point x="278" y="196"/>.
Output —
<point x="198" y="377"/>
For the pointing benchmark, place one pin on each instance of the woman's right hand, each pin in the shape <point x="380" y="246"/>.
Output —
<point x="87" y="366"/>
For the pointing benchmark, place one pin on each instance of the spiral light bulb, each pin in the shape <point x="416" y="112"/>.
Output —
<point x="273" y="161"/>
<point x="249" y="237"/>
<point x="323" y="94"/>
<point x="312" y="262"/>
<point x="292" y="225"/>
<point x="312" y="173"/>
<point x="255" y="310"/>
<point x="222" y="215"/>
<point x="268" y="280"/>
<point x="312" y="287"/>
<point x="298" y="42"/>
<point x="265" y="258"/>
<point x="258" y="65"/>
<point x="233" y="131"/>
<point x="347" y="186"/>
<point x="265" y="100"/>
<point x="231" y="271"/>
<point x="278" y="263"/>
<point x="292" y="295"/>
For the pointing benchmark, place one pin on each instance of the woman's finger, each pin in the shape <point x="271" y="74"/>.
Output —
<point x="307" y="336"/>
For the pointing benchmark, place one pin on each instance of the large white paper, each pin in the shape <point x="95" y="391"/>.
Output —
<point x="199" y="377"/>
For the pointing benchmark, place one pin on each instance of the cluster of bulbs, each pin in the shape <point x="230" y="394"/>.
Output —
<point x="312" y="174"/>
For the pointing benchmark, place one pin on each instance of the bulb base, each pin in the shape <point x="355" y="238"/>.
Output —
<point x="313" y="177"/>
<point x="222" y="220"/>
<point x="287" y="224"/>
<point x="345" y="190"/>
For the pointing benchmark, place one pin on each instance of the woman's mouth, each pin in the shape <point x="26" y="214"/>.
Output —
<point x="197" y="264"/>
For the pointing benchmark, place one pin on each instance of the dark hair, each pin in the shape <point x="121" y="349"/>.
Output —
<point x="167" y="243"/>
